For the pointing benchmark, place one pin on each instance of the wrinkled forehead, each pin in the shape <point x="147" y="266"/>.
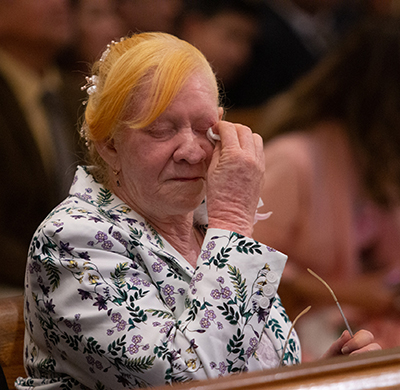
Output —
<point x="145" y="97"/>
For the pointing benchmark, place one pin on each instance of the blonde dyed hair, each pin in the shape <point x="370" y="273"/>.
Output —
<point x="158" y="64"/>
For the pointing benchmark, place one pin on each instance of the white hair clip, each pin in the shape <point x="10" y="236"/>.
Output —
<point x="91" y="84"/>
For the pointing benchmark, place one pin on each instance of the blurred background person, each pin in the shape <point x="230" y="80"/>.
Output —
<point x="95" y="24"/>
<point x="295" y="35"/>
<point x="332" y="149"/>
<point x="39" y="137"/>
<point x="149" y="15"/>
<point x="225" y="31"/>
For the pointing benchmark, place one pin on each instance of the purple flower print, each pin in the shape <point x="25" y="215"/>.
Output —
<point x="210" y="245"/>
<point x="133" y="348"/>
<point x="210" y="314"/>
<point x="116" y="317"/>
<point x="49" y="306"/>
<point x="205" y="255"/>
<point x="84" y="255"/>
<point x="137" y="338"/>
<point x="212" y="365"/>
<point x="221" y="280"/>
<point x="101" y="303"/>
<point x="130" y="221"/>
<point x="95" y="219"/>
<point x="65" y="246"/>
<point x="222" y="367"/>
<point x="100" y="236"/>
<point x="253" y="342"/>
<point x="135" y="281"/>
<point x="117" y="235"/>
<point x="107" y="245"/>
<point x="181" y="291"/>
<point x="85" y="197"/>
<point x="110" y="332"/>
<point x="98" y="365"/>
<point x="84" y="294"/>
<point x="45" y="290"/>
<point x="146" y="347"/>
<point x="115" y="217"/>
<point x="170" y="301"/>
<point x="204" y="323"/>
<point x="77" y="216"/>
<point x="226" y="292"/>
<point x="215" y="294"/>
<point x="121" y="325"/>
<point x="199" y="277"/>
<point x="146" y="283"/>
<point x="167" y="327"/>
<point x="220" y="326"/>
<point x="168" y="289"/>
<point x="68" y="323"/>
<point x="76" y="328"/>
<point x="90" y="359"/>
<point x="175" y="355"/>
<point x="157" y="267"/>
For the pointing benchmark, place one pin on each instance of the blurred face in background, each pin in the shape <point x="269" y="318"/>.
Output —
<point x="226" y="40"/>
<point x="37" y="23"/>
<point x="149" y="15"/>
<point x="315" y="6"/>
<point x="97" y="24"/>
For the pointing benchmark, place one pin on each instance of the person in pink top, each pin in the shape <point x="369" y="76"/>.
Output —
<point x="332" y="150"/>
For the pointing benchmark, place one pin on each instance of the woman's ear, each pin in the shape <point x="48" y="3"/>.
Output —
<point x="108" y="152"/>
<point x="220" y="113"/>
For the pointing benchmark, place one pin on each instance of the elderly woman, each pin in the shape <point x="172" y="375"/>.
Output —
<point x="134" y="280"/>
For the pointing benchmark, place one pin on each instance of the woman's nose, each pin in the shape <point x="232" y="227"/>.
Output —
<point x="191" y="147"/>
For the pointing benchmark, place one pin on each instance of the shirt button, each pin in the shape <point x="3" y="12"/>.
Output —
<point x="263" y="303"/>
<point x="268" y="290"/>
<point x="272" y="277"/>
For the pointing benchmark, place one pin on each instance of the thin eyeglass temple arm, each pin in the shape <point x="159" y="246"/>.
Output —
<point x="334" y="297"/>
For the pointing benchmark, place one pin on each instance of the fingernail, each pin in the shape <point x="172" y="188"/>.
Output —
<point x="345" y="350"/>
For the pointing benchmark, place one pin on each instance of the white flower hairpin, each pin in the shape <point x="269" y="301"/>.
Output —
<point x="91" y="84"/>
<point x="92" y="81"/>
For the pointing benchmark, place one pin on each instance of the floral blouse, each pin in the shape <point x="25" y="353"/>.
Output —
<point x="110" y="304"/>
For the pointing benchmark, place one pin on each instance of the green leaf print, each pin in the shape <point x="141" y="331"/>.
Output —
<point x="104" y="198"/>
<point x="238" y="284"/>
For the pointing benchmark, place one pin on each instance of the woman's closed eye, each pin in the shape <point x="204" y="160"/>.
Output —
<point x="161" y="133"/>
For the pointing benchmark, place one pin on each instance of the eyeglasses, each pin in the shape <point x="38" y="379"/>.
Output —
<point x="309" y="307"/>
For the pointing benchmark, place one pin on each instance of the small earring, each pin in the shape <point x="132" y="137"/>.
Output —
<point x="116" y="173"/>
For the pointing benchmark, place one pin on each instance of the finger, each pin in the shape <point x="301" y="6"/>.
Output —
<point x="245" y="137"/>
<point x="367" y="348"/>
<point x="259" y="147"/>
<point x="227" y="132"/>
<point x="336" y="348"/>
<point x="360" y="340"/>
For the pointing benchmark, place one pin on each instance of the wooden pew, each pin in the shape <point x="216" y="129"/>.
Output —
<point x="372" y="370"/>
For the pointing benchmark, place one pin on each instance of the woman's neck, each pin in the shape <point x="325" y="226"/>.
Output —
<point x="182" y="235"/>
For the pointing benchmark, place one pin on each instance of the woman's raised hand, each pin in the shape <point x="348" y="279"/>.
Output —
<point x="234" y="178"/>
